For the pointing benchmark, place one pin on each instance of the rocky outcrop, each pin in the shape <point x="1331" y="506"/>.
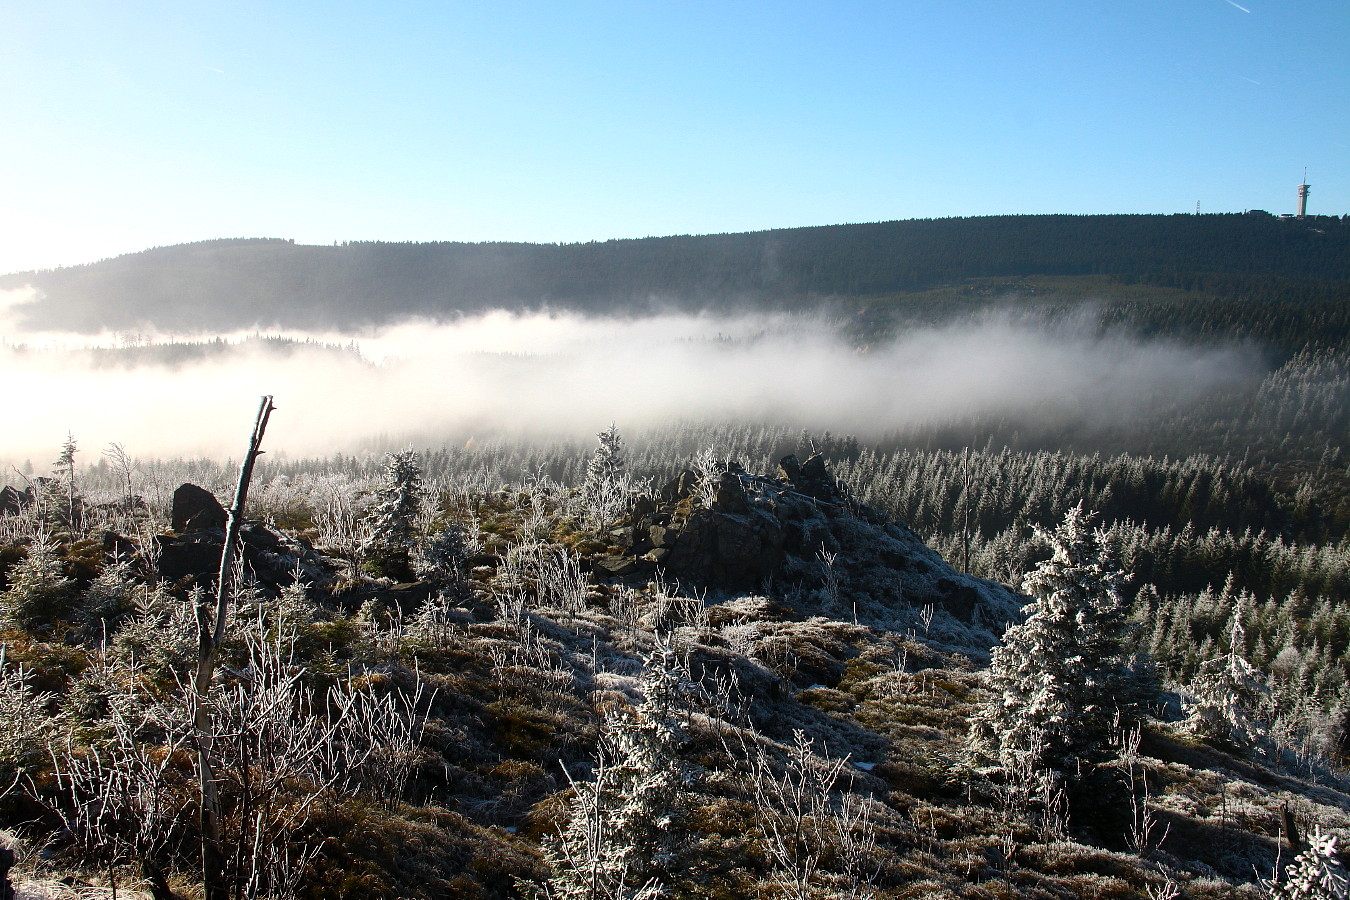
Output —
<point x="196" y="509"/>
<point x="13" y="501"/>
<point x="274" y="558"/>
<point x="804" y="535"/>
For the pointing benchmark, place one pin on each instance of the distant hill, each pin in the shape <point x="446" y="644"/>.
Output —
<point x="272" y="282"/>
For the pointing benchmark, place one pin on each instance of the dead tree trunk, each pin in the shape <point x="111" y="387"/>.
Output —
<point x="210" y="635"/>
<point x="1290" y="829"/>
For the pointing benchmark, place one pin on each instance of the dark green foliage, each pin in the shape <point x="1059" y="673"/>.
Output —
<point x="276" y="282"/>
<point x="39" y="592"/>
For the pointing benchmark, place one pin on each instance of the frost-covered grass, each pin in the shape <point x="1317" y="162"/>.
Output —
<point x="512" y="668"/>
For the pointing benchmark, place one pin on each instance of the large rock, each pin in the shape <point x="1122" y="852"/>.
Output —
<point x="195" y="555"/>
<point x="196" y="509"/>
<point x="811" y="478"/>
<point x="726" y="550"/>
<point x="13" y="501"/>
<point x="617" y="566"/>
<point x="679" y="487"/>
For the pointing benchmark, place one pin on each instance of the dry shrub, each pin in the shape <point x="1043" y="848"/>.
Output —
<point x="927" y="889"/>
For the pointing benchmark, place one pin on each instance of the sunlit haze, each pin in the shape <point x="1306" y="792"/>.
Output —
<point x="566" y="375"/>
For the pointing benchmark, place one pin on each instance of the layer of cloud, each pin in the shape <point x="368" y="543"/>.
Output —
<point x="570" y="375"/>
<point x="10" y="302"/>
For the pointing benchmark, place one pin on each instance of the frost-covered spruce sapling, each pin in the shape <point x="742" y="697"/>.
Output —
<point x="39" y="592"/>
<point x="1227" y="695"/>
<point x="607" y="489"/>
<point x="393" y="518"/>
<point x="606" y="463"/>
<point x="1060" y="681"/>
<point x="1315" y="874"/>
<point x="111" y="597"/>
<point x="67" y="504"/>
<point x="622" y="840"/>
<point x="24" y="722"/>
<point x="437" y="557"/>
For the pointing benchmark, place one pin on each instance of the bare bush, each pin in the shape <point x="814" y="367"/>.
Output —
<point x="807" y="819"/>
<point x="1143" y="835"/>
<point x="24" y="723"/>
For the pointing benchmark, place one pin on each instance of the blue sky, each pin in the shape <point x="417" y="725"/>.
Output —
<point x="137" y="123"/>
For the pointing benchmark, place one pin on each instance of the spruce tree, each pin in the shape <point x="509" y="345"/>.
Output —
<point x="606" y="463"/>
<point x="1227" y="695"/>
<point x="1060" y="680"/>
<point x="1315" y="874"/>
<point x="393" y="526"/>
<point x="39" y="592"/>
<point x="607" y="490"/>
<point x="622" y="841"/>
<point x="68" y="507"/>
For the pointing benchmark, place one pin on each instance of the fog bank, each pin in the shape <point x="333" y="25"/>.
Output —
<point x="571" y="375"/>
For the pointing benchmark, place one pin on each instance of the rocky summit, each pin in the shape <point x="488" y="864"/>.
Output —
<point x="802" y="535"/>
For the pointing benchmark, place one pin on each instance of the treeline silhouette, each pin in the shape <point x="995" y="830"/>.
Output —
<point x="242" y="283"/>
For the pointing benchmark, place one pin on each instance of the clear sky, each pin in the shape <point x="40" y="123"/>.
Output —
<point x="135" y="123"/>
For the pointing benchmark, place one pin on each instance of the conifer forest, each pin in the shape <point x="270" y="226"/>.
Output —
<point x="1088" y="649"/>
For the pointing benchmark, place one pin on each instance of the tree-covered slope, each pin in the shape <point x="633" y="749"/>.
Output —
<point x="241" y="283"/>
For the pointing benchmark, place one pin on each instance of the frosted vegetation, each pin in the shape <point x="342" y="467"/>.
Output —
<point x="464" y="690"/>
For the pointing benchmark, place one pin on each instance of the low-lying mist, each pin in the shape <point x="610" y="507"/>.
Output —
<point x="568" y="375"/>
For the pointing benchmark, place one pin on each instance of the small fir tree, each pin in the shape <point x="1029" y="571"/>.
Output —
<point x="1227" y="694"/>
<point x="393" y="529"/>
<point x="622" y="841"/>
<point x="110" y="598"/>
<point x="606" y="464"/>
<point x="607" y="490"/>
<point x="1315" y="874"/>
<point x="437" y="557"/>
<point x="65" y="498"/>
<point x="1060" y="680"/>
<point x="24" y="722"/>
<point x="39" y="591"/>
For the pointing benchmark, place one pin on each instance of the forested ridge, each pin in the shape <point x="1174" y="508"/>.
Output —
<point x="242" y="283"/>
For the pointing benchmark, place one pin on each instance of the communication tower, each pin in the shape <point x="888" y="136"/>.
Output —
<point x="1303" y="196"/>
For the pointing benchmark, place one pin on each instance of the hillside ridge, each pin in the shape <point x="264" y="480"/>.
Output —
<point x="275" y="282"/>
